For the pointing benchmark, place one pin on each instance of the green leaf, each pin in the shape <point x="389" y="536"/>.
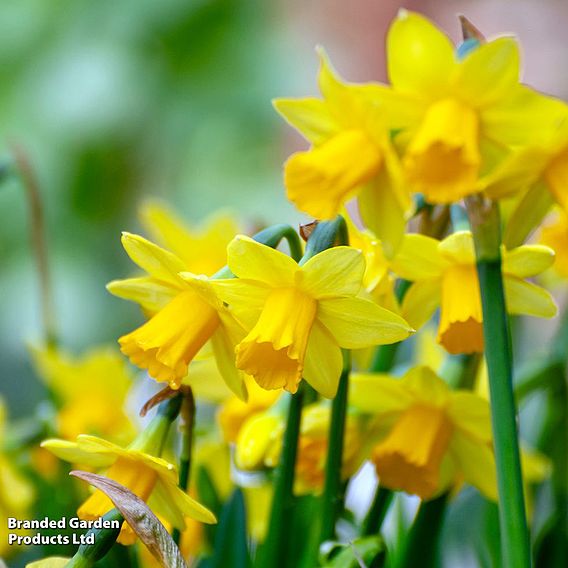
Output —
<point x="366" y="552"/>
<point x="231" y="535"/>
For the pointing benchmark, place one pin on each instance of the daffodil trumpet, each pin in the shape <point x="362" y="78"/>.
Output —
<point x="485" y="224"/>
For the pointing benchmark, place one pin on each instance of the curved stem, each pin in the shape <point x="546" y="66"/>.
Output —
<point x="39" y="244"/>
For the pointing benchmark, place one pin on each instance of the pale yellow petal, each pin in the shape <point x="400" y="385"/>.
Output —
<point x="418" y="258"/>
<point x="156" y="261"/>
<point x="357" y="323"/>
<point x="255" y="261"/>
<point x="378" y="394"/>
<point x="188" y="506"/>
<point x="426" y="386"/>
<point x="421" y="301"/>
<point x="420" y="57"/>
<point x="334" y="272"/>
<point x="323" y="362"/>
<point x="476" y="461"/>
<point x="471" y="413"/>
<point x="311" y="117"/>
<point x="526" y="298"/>
<point x="70" y="452"/>
<point x="458" y="248"/>
<point x="151" y="294"/>
<point x="527" y="260"/>
<point x="224" y="350"/>
<point x="489" y="73"/>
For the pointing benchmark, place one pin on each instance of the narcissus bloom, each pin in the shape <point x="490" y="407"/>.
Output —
<point x="445" y="275"/>
<point x="259" y="444"/>
<point x="458" y="116"/>
<point x="351" y="155"/>
<point x="202" y="249"/>
<point x="186" y="315"/>
<point x="428" y="437"/>
<point x="92" y="389"/>
<point x="300" y="317"/>
<point x="152" y="479"/>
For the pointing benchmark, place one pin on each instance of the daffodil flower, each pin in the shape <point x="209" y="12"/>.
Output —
<point x="351" y="155"/>
<point x="92" y="389"/>
<point x="444" y="274"/>
<point x="299" y="317"/>
<point x="152" y="479"/>
<point x="259" y="445"/>
<point x="202" y="249"/>
<point x="427" y="436"/>
<point x="186" y="315"/>
<point x="458" y="117"/>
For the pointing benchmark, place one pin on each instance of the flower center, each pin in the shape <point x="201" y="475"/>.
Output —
<point x="443" y="159"/>
<point x="320" y="180"/>
<point x="167" y="343"/>
<point x="273" y="352"/>
<point x="461" y="329"/>
<point x="409" y="459"/>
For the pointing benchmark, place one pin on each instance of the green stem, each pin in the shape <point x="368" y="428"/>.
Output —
<point x="485" y="222"/>
<point x="378" y="511"/>
<point x="39" y="243"/>
<point x="188" y="413"/>
<point x="274" y="549"/>
<point x="421" y="546"/>
<point x="333" y="491"/>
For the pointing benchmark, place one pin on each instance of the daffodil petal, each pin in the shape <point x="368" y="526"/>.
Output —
<point x="188" y="506"/>
<point x="525" y="118"/>
<point x="311" y="117"/>
<point x="252" y="260"/>
<point x="489" y="72"/>
<point x="528" y="260"/>
<point x="418" y="258"/>
<point x="357" y="323"/>
<point x="160" y="502"/>
<point x="324" y="362"/>
<point x="420" y="57"/>
<point x="382" y="212"/>
<point x="151" y="294"/>
<point x="426" y="385"/>
<point x="471" y="413"/>
<point x="477" y="463"/>
<point x="378" y="393"/>
<point x="333" y="272"/>
<point x="224" y="351"/>
<point x="156" y="261"/>
<point x="458" y="248"/>
<point x="70" y="452"/>
<point x="421" y="301"/>
<point x="526" y="298"/>
<point x="528" y="213"/>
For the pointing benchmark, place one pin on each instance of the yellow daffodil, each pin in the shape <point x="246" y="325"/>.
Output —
<point x="152" y="479"/>
<point x="444" y="274"/>
<point x="351" y="155"/>
<point x="92" y="390"/>
<point x="186" y="315"/>
<point x="300" y="317"/>
<point x="234" y="412"/>
<point x="457" y="117"/>
<point x="203" y="250"/>
<point x="259" y="445"/>
<point x="427" y="435"/>
<point x="554" y="234"/>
